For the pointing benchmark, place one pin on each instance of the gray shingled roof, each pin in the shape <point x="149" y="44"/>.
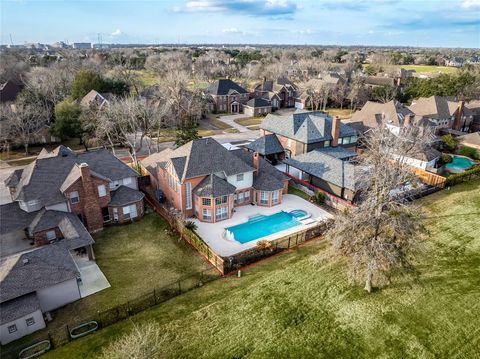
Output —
<point x="27" y="272"/>
<point x="305" y="126"/>
<point x="223" y="87"/>
<point x="373" y="113"/>
<point x="42" y="179"/>
<point x="214" y="186"/>
<point x="203" y="157"/>
<point x="436" y="107"/>
<point x="337" y="152"/>
<point x="333" y="170"/>
<point x="13" y="218"/>
<point x="267" y="178"/>
<point x="266" y="145"/>
<point x="125" y="195"/>
<point x="19" y="307"/>
<point x="258" y="102"/>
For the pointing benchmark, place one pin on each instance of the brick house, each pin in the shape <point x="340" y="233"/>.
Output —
<point x="224" y="95"/>
<point x="280" y="92"/>
<point x="257" y="107"/>
<point x="304" y="131"/>
<point x="205" y="180"/>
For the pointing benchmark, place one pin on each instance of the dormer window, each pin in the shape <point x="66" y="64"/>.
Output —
<point x="240" y="177"/>
<point x="74" y="197"/>
<point x="51" y="235"/>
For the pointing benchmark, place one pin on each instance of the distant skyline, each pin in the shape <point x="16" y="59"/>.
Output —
<point x="427" y="23"/>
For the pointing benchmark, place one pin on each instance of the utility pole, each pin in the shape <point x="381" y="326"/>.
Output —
<point x="11" y="41"/>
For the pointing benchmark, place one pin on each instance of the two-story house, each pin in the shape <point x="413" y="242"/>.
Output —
<point x="227" y="96"/>
<point x="280" y="92"/>
<point x="205" y="180"/>
<point x="445" y="113"/>
<point x="304" y="131"/>
<point x="44" y="231"/>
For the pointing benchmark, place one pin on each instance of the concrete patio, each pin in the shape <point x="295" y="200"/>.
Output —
<point x="213" y="233"/>
<point x="93" y="279"/>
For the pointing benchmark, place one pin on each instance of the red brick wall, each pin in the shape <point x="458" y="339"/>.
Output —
<point x="40" y="238"/>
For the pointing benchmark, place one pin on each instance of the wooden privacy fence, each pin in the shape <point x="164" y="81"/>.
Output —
<point x="429" y="178"/>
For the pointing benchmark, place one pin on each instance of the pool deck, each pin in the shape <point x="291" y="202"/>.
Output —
<point x="212" y="233"/>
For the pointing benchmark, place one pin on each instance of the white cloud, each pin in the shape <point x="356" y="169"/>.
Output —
<point x="232" y="30"/>
<point x="467" y="4"/>
<point x="303" y="31"/>
<point x="117" y="32"/>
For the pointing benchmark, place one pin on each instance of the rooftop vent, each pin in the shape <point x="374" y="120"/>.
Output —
<point x="25" y="261"/>
<point x="83" y="164"/>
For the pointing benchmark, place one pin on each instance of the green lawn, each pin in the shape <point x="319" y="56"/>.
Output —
<point x="300" y="304"/>
<point x="425" y="69"/>
<point x="249" y="121"/>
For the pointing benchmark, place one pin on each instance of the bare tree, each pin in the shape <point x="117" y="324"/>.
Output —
<point x="128" y="122"/>
<point x="379" y="237"/>
<point x="143" y="342"/>
<point x="23" y="123"/>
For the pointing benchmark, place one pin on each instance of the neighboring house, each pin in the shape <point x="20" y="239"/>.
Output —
<point x="444" y="112"/>
<point x="95" y="185"/>
<point x="95" y="100"/>
<point x="269" y="147"/>
<point x="329" y="169"/>
<point x="474" y="107"/>
<point x="376" y="81"/>
<point x="9" y="91"/>
<point x="227" y="96"/>
<point x="304" y="131"/>
<point x="280" y="92"/>
<point x="204" y="179"/>
<point x="393" y="113"/>
<point x="424" y="159"/>
<point x="471" y="140"/>
<point x="257" y="107"/>
<point x="455" y="62"/>
<point x="38" y="266"/>
<point x="82" y="45"/>
<point x="326" y="83"/>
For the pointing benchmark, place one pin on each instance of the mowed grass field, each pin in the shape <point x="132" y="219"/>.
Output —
<point x="300" y="304"/>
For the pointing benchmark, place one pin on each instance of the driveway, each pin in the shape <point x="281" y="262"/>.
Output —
<point x="229" y="120"/>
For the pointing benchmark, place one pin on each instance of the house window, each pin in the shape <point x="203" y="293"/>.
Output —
<point x="102" y="191"/>
<point x="240" y="197"/>
<point x="221" y="213"/>
<point x="188" y="194"/>
<point x="51" y="235"/>
<point x="346" y="140"/>
<point x="353" y="139"/>
<point x="129" y="211"/>
<point x="263" y="197"/>
<point x="115" y="214"/>
<point x="326" y="144"/>
<point x="207" y="214"/>
<point x="240" y="177"/>
<point x="235" y="198"/>
<point x="12" y="329"/>
<point x="206" y="201"/>
<point x="105" y="214"/>
<point x="275" y="197"/>
<point x="74" y="197"/>
<point x="247" y="196"/>
<point x="30" y="321"/>
<point x="221" y="200"/>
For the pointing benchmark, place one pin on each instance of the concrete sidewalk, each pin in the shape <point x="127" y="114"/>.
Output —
<point x="229" y="120"/>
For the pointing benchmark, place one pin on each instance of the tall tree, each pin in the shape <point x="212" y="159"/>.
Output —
<point x="379" y="237"/>
<point x="67" y="120"/>
<point x="186" y="132"/>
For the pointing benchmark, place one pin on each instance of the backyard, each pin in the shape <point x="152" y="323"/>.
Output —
<point x="135" y="258"/>
<point x="300" y="304"/>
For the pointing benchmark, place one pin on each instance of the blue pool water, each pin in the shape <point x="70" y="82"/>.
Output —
<point x="261" y="226"/>
<point x="459" y="164"/>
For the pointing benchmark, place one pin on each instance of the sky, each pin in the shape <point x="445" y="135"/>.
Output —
<point x="431" y="23"/>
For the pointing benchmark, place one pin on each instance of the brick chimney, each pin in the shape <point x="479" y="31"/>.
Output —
<point x="457" y="122"/>
<point x="92" y="212"/>
<point x="335" y="131"/>
<point x="256" y="162"/>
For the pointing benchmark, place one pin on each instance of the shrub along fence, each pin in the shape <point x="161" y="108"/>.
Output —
<point x="468" y="175"/>
<point x="59" y="336"/>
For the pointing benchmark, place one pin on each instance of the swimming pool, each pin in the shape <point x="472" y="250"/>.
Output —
<point x="261" y="226"/>
<point x="459" y="164"/>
